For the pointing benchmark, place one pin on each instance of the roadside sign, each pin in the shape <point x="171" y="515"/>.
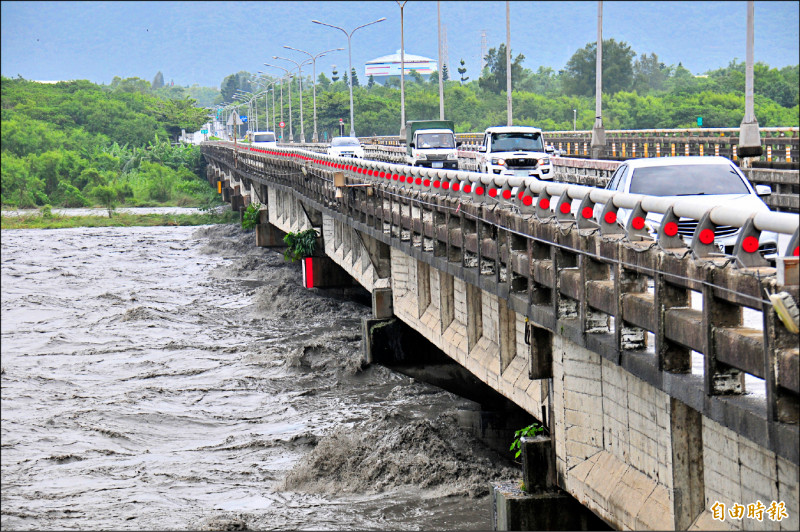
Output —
<point x="282" y="124"/>
<point x="244" y="118"/>
<point x="341" y="121"/>
<point x="699" y="121"/>
<point x="204" y="132"/>
<point x="234" y="120"/>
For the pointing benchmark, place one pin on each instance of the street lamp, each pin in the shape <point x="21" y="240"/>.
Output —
<point x="315" y="137"/>
<point x="350" y="63"/>
<point x="402" y="74"/>
<point x="574" y="120"/>
<point x="289" y="75"/>
<point x="271" y="85"/>
<point x="300" y="79"/>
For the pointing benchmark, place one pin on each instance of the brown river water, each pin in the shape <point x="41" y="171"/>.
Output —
<point x="180" y="378"/>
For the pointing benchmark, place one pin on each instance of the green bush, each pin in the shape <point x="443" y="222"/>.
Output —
<point x="250" y="216"/>
<point x="300" y="245"/>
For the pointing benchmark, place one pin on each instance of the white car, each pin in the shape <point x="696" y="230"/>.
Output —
<point x="262" y="138"/>
<point x="709" y="181"/>
<point x="514" y="150"/>
<point x="346" y="147"/>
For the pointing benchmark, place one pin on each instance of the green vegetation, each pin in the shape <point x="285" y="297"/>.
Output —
<point x="528" y="432"/>
<point x="639" y="92"/>
<point x="77" y="144"/>
<point x="45" y="219"/>
<point x="250" y="216"/>
<point x="300" y="245"/>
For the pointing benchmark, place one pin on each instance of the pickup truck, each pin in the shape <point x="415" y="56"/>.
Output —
<point x="431" y="143"/>
<point x="514" y="150"/>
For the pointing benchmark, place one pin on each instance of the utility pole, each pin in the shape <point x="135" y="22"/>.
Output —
<point x="508" y="62"/>
<point x="749" y="135"/>
<point x="598" y="132"/>
<point x="441" y="81"/>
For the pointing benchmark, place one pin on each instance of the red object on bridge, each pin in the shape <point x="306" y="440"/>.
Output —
<point x="671" y="229"/>
<point x="506" y="194"/>
<point x="544" y="203"/>
<point x="611" y="217"/>
<point x="564" y="208"/>
<point x="527" y="200"/>
<point x="706" y="236"/>
<point x="308" y="272"/>
<point x="587" y="212"/>
<point x="638" y="223"/>
<point x="750" y="244"/>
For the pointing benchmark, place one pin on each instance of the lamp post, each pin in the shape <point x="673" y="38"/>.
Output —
<point x="271" y="85"/>
<point x="350" y="62"/>
<point x="300" y="78"/>
<point x="508" y="62"/>
<point x="289" y="75"/>
<point x="402" y="74"/>
<point x="598" y="131"/>
<point x="314" y="137"/>
<point x="439" y="37"/>
<point x="574" y="120"/>
<point x="749" y="135"/>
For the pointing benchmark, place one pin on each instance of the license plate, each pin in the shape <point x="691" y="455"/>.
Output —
<point x="437" y="165"/>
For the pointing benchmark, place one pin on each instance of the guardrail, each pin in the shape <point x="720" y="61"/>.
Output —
<point x="576" y="273"/>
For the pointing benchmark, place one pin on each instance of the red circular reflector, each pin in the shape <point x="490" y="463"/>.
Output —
<point x="445" y="185"/>
<point x="479" y="191"/>
<point x="403" y="178"/>
<point x="492" y="192"/>
<point x="564" y="208"/>
<point x="638" y="222"/>
<point x="544" y="203"/>
<point x="418" y="181"/>
<point x="706" y="236"/>
<point x="395" y="177"/>
<point x="427" y="182"/>
<point x="456" y="187"/>
<point x="436" y="184"/>
<point x="527" y="200"/>
<point x="750" y="244"/>
<point x="467" y="189"/>
<point x="671" y="229"/>
<point x="611" y="217"/>
<point x="506" y="194"/>
<point x="587" y="212"/>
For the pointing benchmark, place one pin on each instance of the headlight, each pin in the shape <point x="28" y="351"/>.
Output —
<point x="421" y="156"/>
<point x="498" y="162"/>
<point x="452" y="156"/>
<point x="544" y="160"/>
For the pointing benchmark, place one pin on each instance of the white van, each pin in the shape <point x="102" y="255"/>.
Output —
<point x="261" y="138"/>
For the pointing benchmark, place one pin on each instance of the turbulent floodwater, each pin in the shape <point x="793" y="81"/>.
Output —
<point x="181" y="378"/>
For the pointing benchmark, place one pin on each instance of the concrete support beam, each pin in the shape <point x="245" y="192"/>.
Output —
<point x="322" y="272"/>
<point x="474" y="316"/>
<point x="686" y="432"/>
<point x="446" y="300"/>
<point x="423" y="287"/>
<point x="382" y="306"/>
<point x="556" y="510"/>
<point x="507" y="329"/>
<point x="269" y="236"/>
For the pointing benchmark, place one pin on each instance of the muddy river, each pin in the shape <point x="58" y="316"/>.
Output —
<point x="181" y="378"/>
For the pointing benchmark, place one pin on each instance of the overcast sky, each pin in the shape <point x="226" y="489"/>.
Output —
<point x="202" y="42"/>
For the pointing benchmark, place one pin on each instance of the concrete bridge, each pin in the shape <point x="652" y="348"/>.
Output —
<point x="636" y="355"/>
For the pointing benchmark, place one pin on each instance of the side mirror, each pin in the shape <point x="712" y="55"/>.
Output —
<point x="763" y="190"/>
<point x="411" y="145"/>
<point x="482" y="149"/>
<point x="363" y="146"/>
<point x="459" y="143"/>
<point x="549" y="149"/>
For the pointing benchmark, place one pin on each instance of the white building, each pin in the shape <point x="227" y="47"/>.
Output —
<point x="388" y="67"/>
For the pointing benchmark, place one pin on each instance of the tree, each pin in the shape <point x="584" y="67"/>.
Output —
<point x="463" y="70"/>
<point x="579" y="74"/>
<point x="649" y="74"/>
<point x="371" y="81"/>
<point x="445" y="73"/>
<point x="158" y="81"/>
<point x="416" y="77"/>
<point x="346" y="81"/>
<point x="228" y="87"/>
<point x="494" y="80"/>
<point x="543" y="81"/>
<point x="334" y="74"/>
<point x="133" y="85"/>
<point x="323" y="82"/>
<point x="106" y="196"/>
<point x="355" y="77"/>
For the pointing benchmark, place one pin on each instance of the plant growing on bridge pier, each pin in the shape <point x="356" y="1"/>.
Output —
<point x="250" y="216"/>
<point x="527" y="432"/>
<point x="300" y="245"/>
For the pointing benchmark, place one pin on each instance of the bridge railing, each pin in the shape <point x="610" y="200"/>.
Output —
<point x="577" y="272"/>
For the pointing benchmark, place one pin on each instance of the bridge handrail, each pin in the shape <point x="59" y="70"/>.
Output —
<point x="778" y="222"/>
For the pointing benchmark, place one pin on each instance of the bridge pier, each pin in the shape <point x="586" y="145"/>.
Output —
<point x="267" y="235"/>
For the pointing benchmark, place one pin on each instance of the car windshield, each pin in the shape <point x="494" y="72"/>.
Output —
<point x="687" y="180"/>
<point x="345" y="141"/>
<point x="517" y="142"/>
<point x="436" y="140"/>
<point x="264" y="137"/>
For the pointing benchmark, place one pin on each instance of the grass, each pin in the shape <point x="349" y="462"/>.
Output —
<point x="37" y="221"/>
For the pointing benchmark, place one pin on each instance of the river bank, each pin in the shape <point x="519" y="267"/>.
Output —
<point x="123" y="217"/>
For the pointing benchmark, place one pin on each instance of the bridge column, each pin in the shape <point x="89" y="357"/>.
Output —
<point x="267" y="235"/>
